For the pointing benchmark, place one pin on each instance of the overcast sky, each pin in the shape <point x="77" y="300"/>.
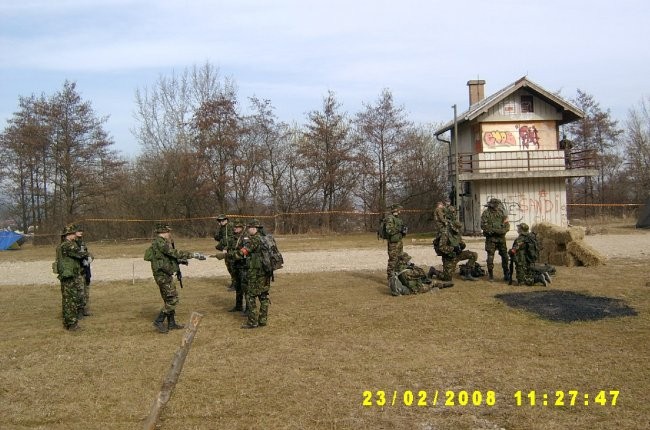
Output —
<point x="293" y="51"/>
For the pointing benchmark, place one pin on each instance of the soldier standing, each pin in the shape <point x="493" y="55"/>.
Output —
<point x="239" y="269"/>
<point x="256" y="287"/>
<point x="68" y="267"/>
<point x="86" y="274"/>
<point x="165" y="259"/>
<point x="495" y="225"/>
<point x="452" y="250"/>
<point x="395" y="231"/>
<point x="224" y="236"/>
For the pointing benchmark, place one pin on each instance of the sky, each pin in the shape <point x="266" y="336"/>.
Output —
<point x="292" y="52"/>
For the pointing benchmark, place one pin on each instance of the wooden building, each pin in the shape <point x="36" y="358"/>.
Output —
<point x="510" y="147"/>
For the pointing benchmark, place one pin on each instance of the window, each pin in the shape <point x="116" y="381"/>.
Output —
<point x="527" y="104"/>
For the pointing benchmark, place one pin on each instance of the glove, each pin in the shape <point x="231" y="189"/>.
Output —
<point x="513" y="251"/>
<point x="462" y="246"/>
<point x="183" y="262"/>
<point x="198" y="256"/>
<point x="404" y="230"/>
<point x="458" y="249"/>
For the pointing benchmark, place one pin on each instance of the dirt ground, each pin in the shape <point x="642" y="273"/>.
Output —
<point x="635" y="246"/>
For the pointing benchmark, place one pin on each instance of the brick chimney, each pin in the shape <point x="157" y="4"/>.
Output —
<point x="476" y="91"/>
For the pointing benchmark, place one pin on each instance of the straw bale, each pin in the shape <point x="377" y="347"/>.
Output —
<point x="562" y="259"/>
<point x="576" y="233"/>
<point x="585" y="254"/>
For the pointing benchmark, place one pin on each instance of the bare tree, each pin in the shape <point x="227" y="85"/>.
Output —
<point x="382" y="130"/>
<point x="637" y="145"/>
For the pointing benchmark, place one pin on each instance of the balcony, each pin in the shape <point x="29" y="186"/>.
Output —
<point x="524" y="164"/>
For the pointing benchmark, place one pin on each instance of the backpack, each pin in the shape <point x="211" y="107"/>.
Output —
<point x="381" y="231"/>
<point x="477" y="271"/>
<point x="270" y="254"/>
<point x="396" y="286"/>
<point x="148" y="254"/>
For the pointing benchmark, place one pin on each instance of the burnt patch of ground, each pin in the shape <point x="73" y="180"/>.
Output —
<point x="567" y="306"/>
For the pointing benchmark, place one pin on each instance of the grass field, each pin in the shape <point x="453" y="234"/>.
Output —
<point x="331" y="337"/>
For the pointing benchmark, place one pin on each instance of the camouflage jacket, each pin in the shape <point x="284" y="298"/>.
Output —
<point x="165" y="258"/>
<point x="225" y="236"/>
<point x="68" y="259"/>
<point x="449" y="242"/>
<point x="494" y="223"/>
<point x="394" y="225"/>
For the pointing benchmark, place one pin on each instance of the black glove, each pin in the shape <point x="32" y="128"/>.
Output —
<point x="404" y="230"/>
<point x="183" y="261"/>
<point x="462" y="246"/>
<point x="458" y="249"/>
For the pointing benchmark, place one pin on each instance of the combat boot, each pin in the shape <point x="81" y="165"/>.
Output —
<point x="468" y="277"/>
<point x="442" y="285"/>
<point x="507" y="276"/>
<point x="159" y="323"/>
<point x="432" y="273"/>
<point x="491" y="275"/>
<point x="171" y="318"/>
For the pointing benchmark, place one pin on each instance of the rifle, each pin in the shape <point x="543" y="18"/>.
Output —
<point x="511" y="268"/>
<point x="179" y="275"/>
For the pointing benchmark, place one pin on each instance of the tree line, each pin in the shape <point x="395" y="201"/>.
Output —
<point x="205" y="151"/>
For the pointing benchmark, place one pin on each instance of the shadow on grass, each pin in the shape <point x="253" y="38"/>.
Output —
<point x="567" y="306"/>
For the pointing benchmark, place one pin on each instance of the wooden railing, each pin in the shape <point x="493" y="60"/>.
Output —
<point x="523" y="161"/>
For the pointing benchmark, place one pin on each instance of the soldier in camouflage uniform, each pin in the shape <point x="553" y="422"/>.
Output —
<point x="256" y="287"/>
<point x="164" y="264"/>
<point x="239" y="269"/>
<point x="68" y="266"/>
<point x="84" y="295"/>
<point x="395" y="230"/>
<point x="495" y="225"/>
<point x="413" y="277"/>
<point x="452" y="250"/>
<point x="224" y="237"/>
<point x="519" y="252"/>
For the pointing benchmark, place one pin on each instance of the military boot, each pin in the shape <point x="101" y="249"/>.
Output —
<point x="159" y="323"/>
<point x="507" y="276"/>
<point x="491" y="275"/>
<point x="433" y="273"/>
<point x="172" y="322"/>
<point x="468" y="277"/>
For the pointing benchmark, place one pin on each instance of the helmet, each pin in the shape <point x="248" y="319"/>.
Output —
<point x="221" y="217"/>
<point x="523" y="226"/>
<point x="396" y="207"/>
<point x="162" y="228"/>
<point x="69" y="229"/>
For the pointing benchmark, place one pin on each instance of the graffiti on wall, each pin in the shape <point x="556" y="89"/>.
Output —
<point x="530" y="136"/>
<point x="527" y="138"/>
<point x="533" y="208"/>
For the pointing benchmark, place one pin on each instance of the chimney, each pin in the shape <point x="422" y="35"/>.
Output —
<point x="476" y="91"/>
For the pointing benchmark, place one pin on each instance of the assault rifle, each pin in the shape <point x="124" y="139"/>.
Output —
<point x="179" y="275"/>
<point x="512" y="266"/>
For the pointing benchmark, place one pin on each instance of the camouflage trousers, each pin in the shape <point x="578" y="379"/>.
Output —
<point x="70" y="300"/>
<point x="492" y="245"/>
<point x="257" y="290"/>
<point x="523" y="270"/>
<point x="168" y="292"/>
<point x="84" y="291"/>
<point x="394" y="252"/>
<point x="449" y="263"/>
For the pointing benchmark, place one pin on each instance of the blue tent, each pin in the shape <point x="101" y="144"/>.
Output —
<point x="8" y="239"/>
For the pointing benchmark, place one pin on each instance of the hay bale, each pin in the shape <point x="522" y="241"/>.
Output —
<point x="585" y="254"/>
<point x="547" y="247"/>
<point x="576" y="233"/>
<point x="542" y="229"/>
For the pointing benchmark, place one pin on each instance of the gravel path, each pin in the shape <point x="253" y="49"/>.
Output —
<point x="635" y="246"/>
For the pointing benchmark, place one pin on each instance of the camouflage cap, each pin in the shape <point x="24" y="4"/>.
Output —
<point x="493" y="203"/>
<point x="69" y="229"/>
<point x="523" y="226"/>
<point x="254" y="223"/>
<point x="162" y="228"/>
<point x="396" y="207"/>
<point x="238" y="223"/>
<point x="221" y="217"/>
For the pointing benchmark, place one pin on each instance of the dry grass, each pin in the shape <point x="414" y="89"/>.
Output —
<point x="331" y="337"/>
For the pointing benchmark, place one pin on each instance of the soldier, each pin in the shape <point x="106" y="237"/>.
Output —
<point x="84" y="311"/>
<point x="239" y="268"/>
<point x="414" y="279"/>
<point x="256" y="287"/>
<point x="452" y="250"/>
<point x="395" y="231"/>
<point x="68" y="267"/>
<point x="164" y="263"/>
<point x="524" y="254"/>
<point x="224" y="236"/>
<point x="495" y="225"/>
